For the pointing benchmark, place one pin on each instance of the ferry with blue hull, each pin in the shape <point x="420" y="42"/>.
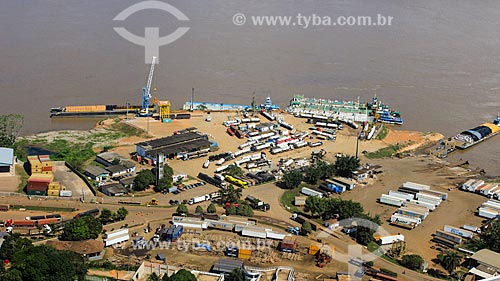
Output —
<point x="390" y="118"/>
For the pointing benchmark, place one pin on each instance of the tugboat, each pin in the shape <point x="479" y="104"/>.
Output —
<point x="268" y="105"/>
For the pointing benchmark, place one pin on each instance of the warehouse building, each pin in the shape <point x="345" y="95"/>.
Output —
<point x="96" y="173"/>
<point x="486" y="263"/>
<point x="226" y="266"/>
<point x="173" y="146"/>
<point x="92" y="249"/>
<point x="7" y="161"/>
<point x="112" y="158"/>
<point x="114" y="189"/>
<point x="116" y="170"/>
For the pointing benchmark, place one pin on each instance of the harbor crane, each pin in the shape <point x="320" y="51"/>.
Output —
<point x="146" y="91"/>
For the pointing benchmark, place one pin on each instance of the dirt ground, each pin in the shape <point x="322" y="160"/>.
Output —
<point x="9" y="183"/>
<point x="456" y="211"/>
<point x="72" y="182"/>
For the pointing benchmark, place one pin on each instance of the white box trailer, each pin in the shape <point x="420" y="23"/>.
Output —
<point x="242" y="151"/>
<point x="442" y="195"/>
<point x="494" y="188"/>
<point x="458" y="231"/>
<point x="193" y="225"/>
<point x="415" y="186"/>
<point x="221" y="168"/>
<point x="116" y="240"/>
<point x="254" y="233"/>
<point x="430" y="201"/>
<point x="449" y="236"/>
<point x="416" y="209"/>
<point x="493" y="203"/>
<point x="488" y="213"/>
<point x="430" y="206"/>
<point x="276" y="235"/>
<point x="472" y="228"/>
<point x="310" y="192"/>
<point x="400" y="218"/>
<point x="391" y="200"/>
<point x="475" y="185"/>
<point x="405" y="196"/>
<point x="467" y="184"/>
<point x="116" y="233"/>
<point x="385" y="240"/>
<point x="247" y="144"/>
<point x="428" y="198"/>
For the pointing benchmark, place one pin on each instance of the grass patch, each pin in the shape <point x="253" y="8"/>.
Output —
<point x="42" y="208"/>
<point x="383" y="152"/>
<point x="23" y="176"/>
<point x="128" y="130"/>
<point x="75" y="154"/>
<point x="372" y="246"/>
<point x="288" y="198"/>
<point x="382" y="133"/>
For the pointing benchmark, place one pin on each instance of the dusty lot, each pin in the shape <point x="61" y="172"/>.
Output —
<point x="456" y="211"/>
<point x="72" y="182"/>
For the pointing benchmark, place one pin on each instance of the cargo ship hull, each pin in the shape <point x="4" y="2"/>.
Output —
<point x="91" y="114"/>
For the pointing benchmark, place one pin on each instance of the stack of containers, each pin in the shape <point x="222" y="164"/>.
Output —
<point x="55" y="188"/>
<point x="46" y="164"/>
<point x="35" y="165"/>
<point x="38" y="184"/>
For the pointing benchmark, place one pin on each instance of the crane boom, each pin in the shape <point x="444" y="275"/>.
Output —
<point x="146" y="91"/>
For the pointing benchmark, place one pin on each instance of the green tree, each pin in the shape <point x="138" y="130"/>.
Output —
<point x="153" y="277"/>
<point x="198" y="210"/>
<point x="12" y="244"/>
<point x="10" y="126"/>
<point x="163" y="184"/>
<point x="306" y="228"/>
<point x="143" y="179"/>
<point x="450" y="260"/>
<point x="83" y="228"/>
<point x="106" y="216"/>
<point x="292" y="179"/>
<point x="121" y="213"/>
<point x="491" y="237"/>
<point x="234" y="171"/>
<point x="46" y="263"/>
<point x="315" y="205"/>
<point x="182" y="209"/>
<point x="244" y="210"/>
<point x="12" y="275"/>
<point x="182" y="275"/>
<point x="363" y="235"/>
<point x="412" y="261"/>
<point x="231" y="210"/>
<point x="237" y="275"/>
<point x="211" y="209"/>
<point x="313" y="175"/>
<point x="349" y="209"/>
<point x="230" y="194"/>
<point x="345" y="165"/>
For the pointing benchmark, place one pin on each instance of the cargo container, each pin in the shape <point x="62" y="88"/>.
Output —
<point x="332" y="187"/>
<point x="418" y="209"/>
<point x="24" y="223"/>
<point x="52" y="192"/>
<point x="492" y="190"/>
<point x="198" y="199"/>
<point x="65" y="193"/>
<point x="268" y="116"/>
<point x="314" y="144"/>
<point x="311" y="192"/>
<point x="253" y="233"/>
<point x="449" y="236"/>
<point x="493" y="203"/>
<point x="47" y="221"/>
<point x="488" y="213"/>
<point x="391" y="200"/>
<point x="288" y="244"/>
<point x="402" y="195"/>
<point x="4" y="207"/>
<point x="390" y="239"/>
<point x="415" y="186"/>
<point x="458" y="231"/>
<point x="465" y="185"/>
<point x="93" y="212"/>
<point x="244" y="254"/>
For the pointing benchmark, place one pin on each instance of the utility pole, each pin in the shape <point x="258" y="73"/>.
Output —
<point x="192" y="99"/>
<point x="357" y="146"/>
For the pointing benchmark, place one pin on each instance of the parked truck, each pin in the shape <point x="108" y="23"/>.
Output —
<point x="258" y="204"/>
<point x="199" y="199"/>
<point x="390" y="239"/>
<point x="311" y="192"/>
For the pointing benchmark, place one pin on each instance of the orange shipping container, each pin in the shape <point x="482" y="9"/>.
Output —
<point x="244" y="254"/>
<point x="313" y="249"/>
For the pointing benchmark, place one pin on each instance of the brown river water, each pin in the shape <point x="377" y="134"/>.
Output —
<point x="438" y="63"/>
